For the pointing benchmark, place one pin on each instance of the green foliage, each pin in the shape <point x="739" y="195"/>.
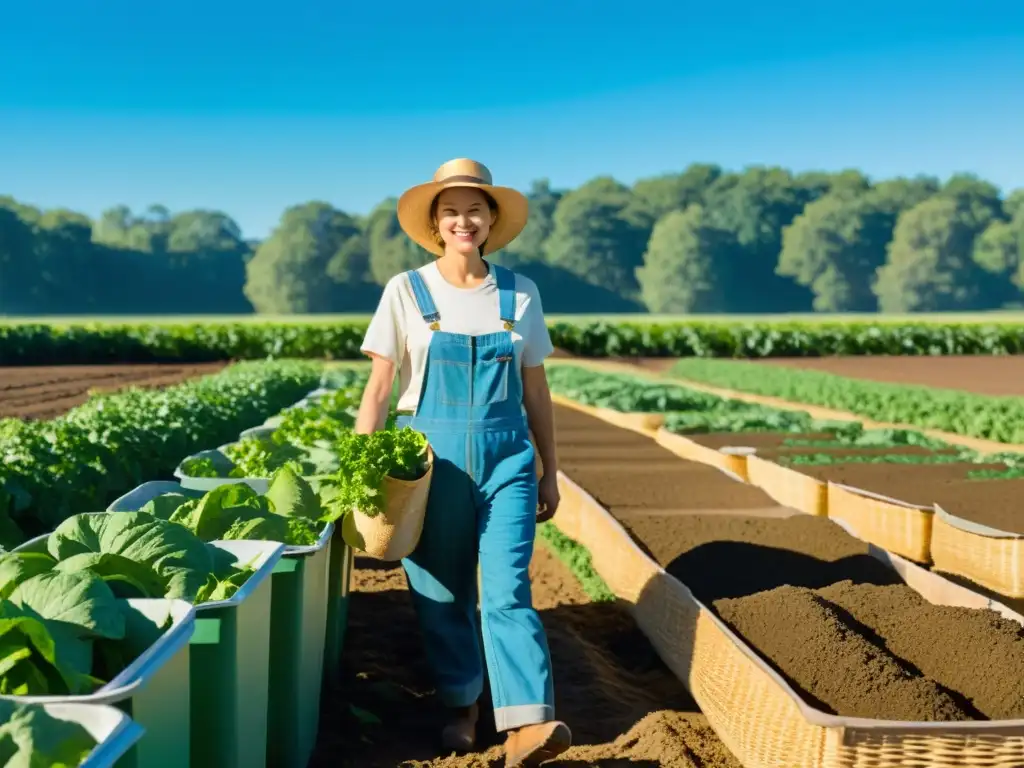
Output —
<point x="684" y="266"/>
<point x="31" y="737"/>
<point x="194" y="342"/>
<point x="984" y="416"/>
<point x="581" y="246"/>
<point x="687" y="411"/>
<point x="63" y="619"/>
<point x="785" y="339"/>
<point x="364" y="461"/>
<point x="290" y="512"/>
<point x="577" y="558"/>
<point x="109" y="445"/>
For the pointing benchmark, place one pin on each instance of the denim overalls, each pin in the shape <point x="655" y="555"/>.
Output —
<point x="482" y="508"/>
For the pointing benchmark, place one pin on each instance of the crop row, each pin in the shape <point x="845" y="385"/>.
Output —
<point x="34" y="344"/>
<point x="986" y="416"/>
<point x="104" y="448"/>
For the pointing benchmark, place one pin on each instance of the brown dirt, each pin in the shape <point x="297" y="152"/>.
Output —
<point x="976" y="373"/>
<point x="642" y="474"/>
<point x="849" y="636"/>
<point x="995" y="503"/>
<point x="913" y="483"/>
<point x="624" y="706"/>
<point x="44" y="392"/>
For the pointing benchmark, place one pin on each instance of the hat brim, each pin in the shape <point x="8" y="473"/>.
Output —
<point x="415" y="219"/>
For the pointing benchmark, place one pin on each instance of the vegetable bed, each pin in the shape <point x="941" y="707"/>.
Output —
<point x="836" y="622"/>
<point x="102" y="449"/>
<point x="990" y="417"/>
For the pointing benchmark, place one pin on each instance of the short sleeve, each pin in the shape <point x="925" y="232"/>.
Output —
<point x="537" y="346"/>
<point x="386" y="334"/>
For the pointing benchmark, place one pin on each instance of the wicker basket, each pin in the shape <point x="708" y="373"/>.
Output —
<point x="395" y="532"/>
<point x="787" y="486"/>
<point x="758" y="716"/>
<point x="685" y="448"/>
<point x="893" y="525"/>
<point x="989" y="557"/>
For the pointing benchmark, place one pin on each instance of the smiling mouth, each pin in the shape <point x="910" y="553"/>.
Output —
<point x="461" y="233"/>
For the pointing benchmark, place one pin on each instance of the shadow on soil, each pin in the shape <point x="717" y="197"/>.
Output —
<point x="383" y="713"/>
<point x="725" y="569"/>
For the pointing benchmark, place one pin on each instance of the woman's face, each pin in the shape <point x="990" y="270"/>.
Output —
<point x="463" y="218"/>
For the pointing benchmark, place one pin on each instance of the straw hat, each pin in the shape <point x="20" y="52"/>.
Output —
<point x="414" y="206"/>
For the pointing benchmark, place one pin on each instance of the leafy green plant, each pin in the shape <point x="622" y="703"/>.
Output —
<point x="365" y="461"/>
<point x="577" y="558"/>
<point x="289" y="513"/>
<point x="30" y="737"/>
<point x="687" y="411"/>
<point x="34" y="344"/>
<point x="62" y="610"/>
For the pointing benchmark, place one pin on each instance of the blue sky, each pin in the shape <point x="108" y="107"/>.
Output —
<point x="251" y="107"/>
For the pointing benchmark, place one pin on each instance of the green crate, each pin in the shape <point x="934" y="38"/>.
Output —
<point x="340" y="579"/>
<point x="298" y="629"/>
<point x="231" y="666"/>
<point x="154" y="689"/>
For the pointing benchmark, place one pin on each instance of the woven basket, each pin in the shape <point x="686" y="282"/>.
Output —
<point x="989" y="557"/>
<point x="395" y="531"/>
<point x="787" y="486"/>
<point x="758" y="716"/>
<point x="893" y="525"/>
<point x="685" y="448"/>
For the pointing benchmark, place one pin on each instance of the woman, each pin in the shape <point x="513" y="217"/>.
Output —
<point x="468" y="339"/>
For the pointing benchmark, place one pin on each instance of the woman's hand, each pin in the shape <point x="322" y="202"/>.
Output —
<point x="547" y="498"/>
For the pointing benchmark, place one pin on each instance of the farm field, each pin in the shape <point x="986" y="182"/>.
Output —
<point x="980" y="374"/>
<point x="794" y="575"/>
<point x="44" y="392"/>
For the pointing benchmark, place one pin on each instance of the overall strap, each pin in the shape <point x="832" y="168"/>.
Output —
<point x="506" y="280"/>
<point x="424" y="301"/>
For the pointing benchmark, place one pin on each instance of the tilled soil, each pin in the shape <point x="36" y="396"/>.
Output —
<point x="596" y="455"/>
<point x="834" y="621"/>
<point x="624" y="707"/>
<point x="44" y="392"/>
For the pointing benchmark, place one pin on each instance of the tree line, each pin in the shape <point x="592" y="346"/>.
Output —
<point x="704" y="240"/>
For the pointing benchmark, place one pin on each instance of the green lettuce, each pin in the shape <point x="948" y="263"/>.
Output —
<point x="32" y="738"/>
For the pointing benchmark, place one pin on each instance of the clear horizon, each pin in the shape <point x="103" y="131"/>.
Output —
<point x="250" y="108"/>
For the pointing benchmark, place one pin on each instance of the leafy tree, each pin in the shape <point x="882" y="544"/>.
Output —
<point x="683" y="263"/>
<point x="390" y="249"/>
<point x="754" y="207"/>
<point x="529" y="246"/>
<point x="834" y="248"/>
<point x="288" y="273"/>
<point x="930" y="266"/>
<point x="598" y="238"/>
<point x="654" y="197"/>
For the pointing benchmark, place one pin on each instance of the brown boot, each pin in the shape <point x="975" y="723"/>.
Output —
<point x="459" y="733"/>
<point x="532" y="745"/>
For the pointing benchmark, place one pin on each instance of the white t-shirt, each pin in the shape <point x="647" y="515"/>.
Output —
<point x="398" y="332"/>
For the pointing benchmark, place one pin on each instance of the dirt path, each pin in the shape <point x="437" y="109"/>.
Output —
<point x="625" y="708"/>
<point x="984" y="375"/>
<point x="44" y="392"/>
